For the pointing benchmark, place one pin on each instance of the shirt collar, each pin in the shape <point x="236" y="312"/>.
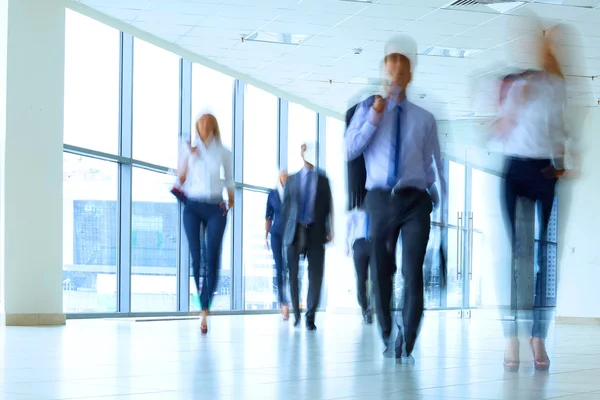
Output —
<point x="392" y="103"/>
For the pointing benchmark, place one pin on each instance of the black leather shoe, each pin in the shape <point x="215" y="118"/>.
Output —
<point x="388" y="349"/>
<point x="399" y="344"/>
<point x="368" y="317"/>
<point x="310" y="325"/>
<point x="297" y="321"/>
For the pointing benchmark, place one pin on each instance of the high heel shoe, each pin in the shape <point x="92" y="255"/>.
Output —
<point x="541" y="361"/>
<point x="286" y="312"/>
<point x="204" y="325"/>
<point x="512" y="363"/>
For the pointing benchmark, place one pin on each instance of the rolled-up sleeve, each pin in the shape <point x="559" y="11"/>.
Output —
<point x="360" y="132"/>
<point x="227" y="170"/>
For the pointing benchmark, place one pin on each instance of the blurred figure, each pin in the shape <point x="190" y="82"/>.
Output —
<point x="274" y="227"/>
<point x="205" y="213"/>
<point x="307" y="214"/>
<point x="358" y="243"/>
<point x="402" y="156"/>
<point x="532" y="130"/>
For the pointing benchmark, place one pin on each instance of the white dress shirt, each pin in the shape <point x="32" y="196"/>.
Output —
<point x="358" y="226"/>
<point x="204" y="179"/>
<point x="420" y="159"/>
<point x="538" y="131"/>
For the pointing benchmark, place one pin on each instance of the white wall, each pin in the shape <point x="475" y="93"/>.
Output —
<point x="579" y="224"/>
<point x="32" y="167"/>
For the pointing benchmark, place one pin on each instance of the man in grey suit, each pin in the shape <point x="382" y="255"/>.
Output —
<point x="307" y="215"/>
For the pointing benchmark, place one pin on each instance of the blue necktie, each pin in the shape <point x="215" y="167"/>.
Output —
<point x="306" y="197"/>
<point x="367" y="226"/>
<point x="395" y="156"/>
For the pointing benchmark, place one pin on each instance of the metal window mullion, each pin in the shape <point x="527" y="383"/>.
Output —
<point x="125" y="174"/>
<point x="321" y="142"/>
<point x="237" y="273"/>
<point x="467" y="248"/>
<point x="445" y="232"/>
<point x="282" y="137"/>
<point x="183" y="252"/>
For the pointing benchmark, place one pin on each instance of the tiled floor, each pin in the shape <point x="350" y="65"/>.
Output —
<point x="262" y="358"/>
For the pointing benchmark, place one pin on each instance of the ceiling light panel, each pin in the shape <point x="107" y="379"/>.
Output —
<point x="276" y="38"/>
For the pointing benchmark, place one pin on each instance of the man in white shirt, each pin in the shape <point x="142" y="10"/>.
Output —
<point x="306" y="214"/>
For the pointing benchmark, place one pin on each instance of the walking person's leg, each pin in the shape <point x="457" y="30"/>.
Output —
<point x="382" y="214"/>
<point x="541" y="316"/>
<point x="215" y="229"/>
<point x="191" y="225"/>
<point x="361" y="252"/>
<point x="316" y="261"/>
<point x="293" y="258"/>
<point x="277" y="249"/>
<point x="415" y="236"/>
<point x="509" y="200"/>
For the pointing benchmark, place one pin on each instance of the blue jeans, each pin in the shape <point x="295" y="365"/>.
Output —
<point x="524" y="179"/>
<point x="277" y="249"/>
<point x="204" y="225"/>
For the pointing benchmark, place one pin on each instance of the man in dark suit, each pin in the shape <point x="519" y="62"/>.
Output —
<point x="307" y="217"/>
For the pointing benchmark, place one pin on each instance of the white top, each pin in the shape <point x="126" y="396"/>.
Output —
<point x="539" y="129"/>
<point x="358" y="226"/>
<point x="204" y="178"/>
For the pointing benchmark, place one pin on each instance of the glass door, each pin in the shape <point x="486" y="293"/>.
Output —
<point x="455" y="234"/>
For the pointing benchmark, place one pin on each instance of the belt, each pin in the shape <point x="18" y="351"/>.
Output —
<point x="305" y="226"/>
<point x="405" y="191"/>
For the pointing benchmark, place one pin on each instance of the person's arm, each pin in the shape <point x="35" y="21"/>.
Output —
<point x="285" y="202"/>
<point x="361" y="130"/>
<point x="349" y="233"/>
<point x="227" y="155"/>
<point x="329" y="220"/>
<point x="556" y="125"/>
<point x="435" y="169"/>
<point x="182" y="171"/>
<point x="269" y="218"/>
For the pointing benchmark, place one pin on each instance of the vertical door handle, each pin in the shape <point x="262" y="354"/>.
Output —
<point x="471" y="232"/>
<point x="459" y="246"/>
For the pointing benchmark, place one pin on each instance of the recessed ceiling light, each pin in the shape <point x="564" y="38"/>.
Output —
<point x="275" y="37"/>
<point x="436" y="51"/>
<point x="493" y="6"/>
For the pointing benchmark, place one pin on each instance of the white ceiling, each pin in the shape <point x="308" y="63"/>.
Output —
<point x="325" y="71"/>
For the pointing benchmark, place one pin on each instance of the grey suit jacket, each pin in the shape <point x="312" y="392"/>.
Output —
<point x="323" y="210"/>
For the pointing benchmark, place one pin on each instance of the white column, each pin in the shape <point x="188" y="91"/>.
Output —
<point x="578" y="294"/>
<point x="32" y="92"/>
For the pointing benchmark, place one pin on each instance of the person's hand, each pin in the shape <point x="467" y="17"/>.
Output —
<point x="224" y="208"/>
<point x="550" y="172"/>
<point x="328" y="238"/>
<point x="379" y="104"/>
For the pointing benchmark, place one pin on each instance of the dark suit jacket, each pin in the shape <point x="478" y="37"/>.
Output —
<point x="356" y="169"/>
<point x="291" y="208"/>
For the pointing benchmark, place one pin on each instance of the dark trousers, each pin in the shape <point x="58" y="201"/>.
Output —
<point x="277" y="249"/>
<point x="361" y="250"/>
<point x="408" y="212"/>
<point x="204" y="225"/>
<point x="524" y="178"/>
<point x="316" y="257"/>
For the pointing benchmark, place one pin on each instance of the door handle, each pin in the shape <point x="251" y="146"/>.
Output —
<point x="471" y="246"/>
<point x="458" y="245"/>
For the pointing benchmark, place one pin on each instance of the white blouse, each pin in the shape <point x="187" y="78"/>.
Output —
<point x="539" y="129"/>
<point x="204" y="180"/>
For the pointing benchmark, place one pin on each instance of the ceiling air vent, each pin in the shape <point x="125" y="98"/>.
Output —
<point x="485" y="6"/>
